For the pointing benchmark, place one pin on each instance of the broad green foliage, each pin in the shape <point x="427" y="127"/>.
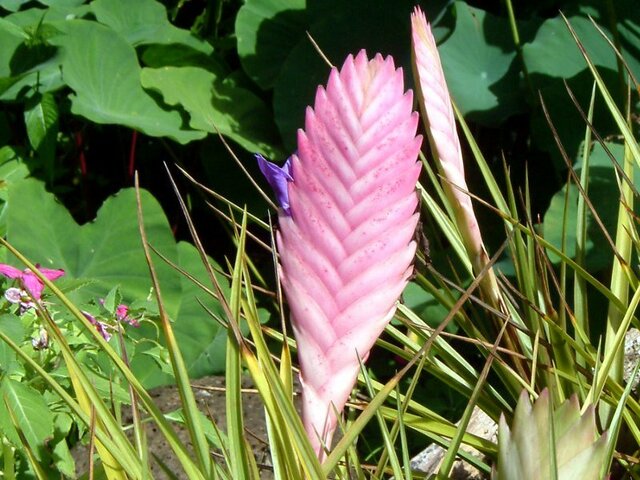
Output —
<point x="479" y="70"/>
<point x="107" y="252"/>
<point x="107" y="87"/>
<point x="15" y="330"/>
<point x="102" y="251"/>
<point x="207" y="97"/>
<point x="12" y="169"/>
<point x="144" y="22"/>
<point x="267" y="31"/>
<point x="31" y="413"/>
<point x="95" y="92"/>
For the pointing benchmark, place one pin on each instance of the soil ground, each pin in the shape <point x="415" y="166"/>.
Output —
<point x="210" y="395"/>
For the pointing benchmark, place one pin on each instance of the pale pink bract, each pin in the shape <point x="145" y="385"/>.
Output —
<point x="437" y="114"/>
<point x="346" y="249"/>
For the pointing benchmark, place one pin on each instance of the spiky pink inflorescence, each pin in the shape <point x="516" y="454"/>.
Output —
<point x="440" y="123"/>
<point x="346" y="248"/>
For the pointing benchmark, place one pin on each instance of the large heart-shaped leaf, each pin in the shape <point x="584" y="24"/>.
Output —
<point x="144" y="22"/>
<point x="477" y="60"/>
<point x="102" y="68"/>
<point x="554" y="52"/>
<point x="216" y="104"/>
<point x="267" y="30"/>
<point x="108" y="252"/>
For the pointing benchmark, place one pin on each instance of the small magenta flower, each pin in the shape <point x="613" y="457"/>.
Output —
<point x="122" y="315"/>
<point x="101" y="327"/>
<point x="31" y="283"/>
<point x="346" y="226"/>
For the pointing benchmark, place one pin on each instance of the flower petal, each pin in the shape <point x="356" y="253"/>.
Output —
<point x="51" y="274"/>
<point x="278" y="178"/>
<point x="32" y="284"/>
<point x="9" y="271"/>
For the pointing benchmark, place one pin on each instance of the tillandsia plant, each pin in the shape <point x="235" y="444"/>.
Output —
<point x="440" y="125"/>
<point x="346" y="228"/>
<point x="547" y="443"/>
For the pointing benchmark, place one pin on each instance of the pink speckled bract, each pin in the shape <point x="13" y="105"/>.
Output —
<point x="440" y="122"/>
<point x="346" y="250"/>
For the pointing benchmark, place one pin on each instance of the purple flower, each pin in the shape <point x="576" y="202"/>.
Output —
<point x="277" y="177"/>
<point x="101" y="327"/>
<point x="29" y="280"/>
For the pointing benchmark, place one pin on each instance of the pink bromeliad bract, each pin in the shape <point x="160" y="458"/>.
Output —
<point x="345" y="238"/>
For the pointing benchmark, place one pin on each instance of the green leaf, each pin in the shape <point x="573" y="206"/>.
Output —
<point x="144" y="22"/>
<point x="216" y="102"/>
<point x="479" y="69"/>
<point x="553" y="52"/>
<point x="11" y="37"/>
<point x="602" y="186"/>
<point x="12" y="169"/>
<point x="106" y="251"/>
<point x="112" y="300"/>
<point x="267" y="30"/>
<point x="62" y="3"/>
<point x="41" y="120"/>
<point x="32" y="414"/>
<point x="13" y="5"/>
<point x="426" y="306"/>
<point x="28" y="64"/>
<point x="103" y="70"/>
<point x="201" y="338"/>
<point x="12" y="327"/>
<point x="63" y="461"/>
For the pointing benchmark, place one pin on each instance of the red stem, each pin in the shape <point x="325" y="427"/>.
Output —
<point x="81" y="157"/>
<point x="132" y="153"/>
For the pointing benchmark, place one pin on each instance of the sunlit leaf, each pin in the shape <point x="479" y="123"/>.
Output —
<point x="143" y="22"/>
<point x="32" y="414"/>
<point x="103" y="70"/>
<point x="216" y="104"/>
<point x="478" y="68"/>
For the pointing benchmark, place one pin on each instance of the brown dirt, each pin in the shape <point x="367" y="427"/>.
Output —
<point x="210" y="396"/>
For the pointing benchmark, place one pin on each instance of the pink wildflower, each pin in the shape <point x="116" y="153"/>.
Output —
<point x="29" y="280"/>
<point x="122" y="315"/>
<point x="101" y="327"/>
<point x="345" y="238"/>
